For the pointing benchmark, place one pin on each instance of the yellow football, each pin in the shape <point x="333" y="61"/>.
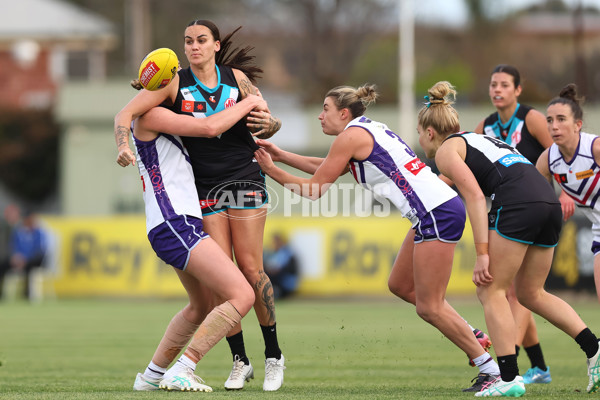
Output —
<point x="158" y="69"/>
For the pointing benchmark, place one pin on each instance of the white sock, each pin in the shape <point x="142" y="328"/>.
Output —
<point x="486" y="364"/>
<point x="184" y="362"/>
<point x="153" y="371"/>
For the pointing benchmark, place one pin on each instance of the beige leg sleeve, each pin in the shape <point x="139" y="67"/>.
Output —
<point x="214" y="327"/>
<point x="178" y="334"/>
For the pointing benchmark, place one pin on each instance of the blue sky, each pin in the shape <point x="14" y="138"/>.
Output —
<point x="453" y="12"/>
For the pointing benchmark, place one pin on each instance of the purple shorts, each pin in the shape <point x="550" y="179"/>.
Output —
<point x="445" y="223"/>
<point x="174" y="239"/>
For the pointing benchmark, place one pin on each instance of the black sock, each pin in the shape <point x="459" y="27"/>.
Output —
<point x="236" y="345"/>
<point x="588" y="342"/>
<point x="272" y="349"/>
<point x="508" y="367"/>
<point x="536" y="356"/>
<point x="517" y="349"/>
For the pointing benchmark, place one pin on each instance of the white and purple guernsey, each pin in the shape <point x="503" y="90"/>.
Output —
<point x="168" y="180"/>
<point x="394" y="171"/>
<point x="579" y="177"/>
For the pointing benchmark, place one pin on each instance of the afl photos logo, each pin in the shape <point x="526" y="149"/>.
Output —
<point x="241" y="194"/>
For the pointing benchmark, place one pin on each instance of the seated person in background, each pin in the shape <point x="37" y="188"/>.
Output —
<point x="281" y="267"/>
<point x="28" y="248"/>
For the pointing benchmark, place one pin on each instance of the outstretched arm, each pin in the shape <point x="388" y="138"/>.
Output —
<point x="160" y="119"/>
<point x="303" y="163"/>
<point x="342" y="150"/>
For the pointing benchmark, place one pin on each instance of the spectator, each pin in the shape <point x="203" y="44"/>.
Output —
<point x="282" y="267"/>
<point x="12" y="215"/>
<point x="28" y="249"/>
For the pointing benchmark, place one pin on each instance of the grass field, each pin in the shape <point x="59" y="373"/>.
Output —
<point x="335" y="349"/>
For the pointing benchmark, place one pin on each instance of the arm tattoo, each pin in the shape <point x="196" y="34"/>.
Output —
<point x="247" y="88"/>
<point x="121" y="136"/>
<point x="274" y="126"/>
<point x="264" y="287"/>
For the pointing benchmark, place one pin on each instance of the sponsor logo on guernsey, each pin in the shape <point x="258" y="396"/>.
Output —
<point x="414" y="166"/>
<point x="511" y="159"/>
<point x="188" y="91"/>
<point x="515" y="138"/>
<point x="584" y="174"/>
<point x="208" y="203"/>
<point x="230" y="103"/>
<point x="156" y="179"/>
<point x="560" y="178"/>
<point x="193" y="106"/>
<point x="148" y="73"/>
<point x="187" y="106"/>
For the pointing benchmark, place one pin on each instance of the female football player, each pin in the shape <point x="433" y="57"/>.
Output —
<point x="514" y="241"/>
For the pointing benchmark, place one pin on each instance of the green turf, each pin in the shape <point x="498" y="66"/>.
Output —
<point x="335" y="349"/>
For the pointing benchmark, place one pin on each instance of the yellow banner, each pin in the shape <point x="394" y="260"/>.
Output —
<point x="111" y="256"/>
<point x="352" y="255"/>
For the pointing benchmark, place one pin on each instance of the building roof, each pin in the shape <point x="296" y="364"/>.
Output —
<point x="51" y="20"/>
<point x="547" y="23"/>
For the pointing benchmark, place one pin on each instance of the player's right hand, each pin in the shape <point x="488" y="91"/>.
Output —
<point x="481" y="272"/>
<point x="125" y="157"/>
<point x="567" y="204"/>
<point x="274" y="151"/>
<point x="264" y="160"/>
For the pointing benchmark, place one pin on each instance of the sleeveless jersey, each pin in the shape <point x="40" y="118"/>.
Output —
<point x="230" y="155"/>
<point x="167" y="178"/>
<point x="514" y="132"/>
<point x="580" y="177"/>
<point x="504" y="174"/>
<point x="394" y="171"/>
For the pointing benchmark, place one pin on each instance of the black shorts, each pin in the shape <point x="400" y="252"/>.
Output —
<point x="247" y="193"/>
<point x="536" y="223"/>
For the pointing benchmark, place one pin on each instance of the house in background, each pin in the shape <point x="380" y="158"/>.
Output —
<point x="44" y="43"/>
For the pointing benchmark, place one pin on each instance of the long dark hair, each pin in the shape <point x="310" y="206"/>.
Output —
<point x="238" y="58"/>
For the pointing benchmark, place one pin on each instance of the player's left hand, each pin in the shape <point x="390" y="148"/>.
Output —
<point x="567" y="204"/>
<point x="481" y="273"/>
<point x="262" y="124"/>
<point x="125" y="157"/>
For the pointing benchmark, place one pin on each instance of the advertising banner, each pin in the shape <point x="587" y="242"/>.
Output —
<point x="111" y="256"/>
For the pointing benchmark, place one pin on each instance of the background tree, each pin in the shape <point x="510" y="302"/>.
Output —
<point x="29" y="154"/>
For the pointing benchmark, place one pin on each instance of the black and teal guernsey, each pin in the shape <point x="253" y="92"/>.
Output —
<point x="514" y="132"/>
<point x="503" y="174"/>
<point x="229" y="156"/>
